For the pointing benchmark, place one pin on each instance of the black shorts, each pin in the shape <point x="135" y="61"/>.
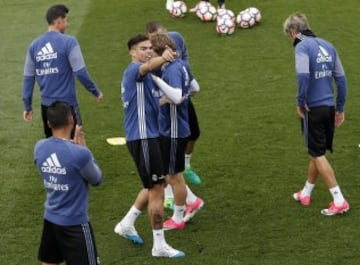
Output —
<point x="76" y="115"/>
<point x="318" y="129"/>
<point x="73" y="244"/>
<point x="146" y="154"/>
<point x="173" y="154"/>
<point x="193" y="123"/>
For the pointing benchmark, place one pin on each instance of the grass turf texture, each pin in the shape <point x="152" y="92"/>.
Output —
<point x="250" y="154"/>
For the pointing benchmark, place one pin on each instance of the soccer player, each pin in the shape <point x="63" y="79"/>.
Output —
<point x="140" y="98"/>
<point x="317" y="65"/>
<point x="152" y="28"/>
<point x="53" y="59"/>
<point x="174" y="131"/>
<point x="67" y="168"/>
<point x="193" y="204"/>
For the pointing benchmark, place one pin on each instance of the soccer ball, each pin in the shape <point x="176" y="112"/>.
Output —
<point x="178" y="9"/>
<point x="255" y="13"/>
<point x="200" y="5"/>
<point x="245" y="20"/>
<point x="206" y="13"/>
<point x="225" y="26"/>
<point x="225" y="14"/>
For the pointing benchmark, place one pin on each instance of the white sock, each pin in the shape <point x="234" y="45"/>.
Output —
<point x="168" y="192"/>
<point x="169" y="4"/>
<point x="190" y="196"/>
<point x="158" y="238"/>
<point x="308" y="188"/>
<point x="187" y="160"/>
<point x="131" y="216"/>
<point x="337" y="195"/>
<point x="178" y="213"/>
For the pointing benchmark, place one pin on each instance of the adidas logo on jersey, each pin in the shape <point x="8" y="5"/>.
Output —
<point x="52" y="165"/>
<point x="323" y="56"/>
<point x="46" y="53"/>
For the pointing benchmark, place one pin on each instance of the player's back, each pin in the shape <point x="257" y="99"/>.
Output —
<point x="49" y="62"/>
<point x="174" y="119"/>
<point x="320" y="67"/>
<point x="62" y="165"/>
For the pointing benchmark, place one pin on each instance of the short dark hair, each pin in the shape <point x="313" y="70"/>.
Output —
<point x="136" y="39"/>
<point x="154" y="26"/>
<point x="58" y="114"/>
<point x="56" y="11"/>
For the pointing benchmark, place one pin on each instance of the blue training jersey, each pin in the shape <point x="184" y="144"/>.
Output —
<point x="181" y="48"/>
<point x="317" y="66"/>
<point x="174" y="119"/>
<point x="140" y="98"/>
<point x="53" y="60"/>
<point x="66" y="169"/>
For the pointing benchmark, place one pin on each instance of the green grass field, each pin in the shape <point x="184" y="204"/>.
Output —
<point x="250" y="155"/>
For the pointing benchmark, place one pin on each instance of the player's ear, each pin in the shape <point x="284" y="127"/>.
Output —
<point x="56" y="22"/>
<point x="292" y="34"/>
<point x="71" y="120"/>
<point x="132" y="52"/>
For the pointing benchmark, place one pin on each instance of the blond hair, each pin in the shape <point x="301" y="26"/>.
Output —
<point x="295" y="23"/>
<point x="160" y="42"/>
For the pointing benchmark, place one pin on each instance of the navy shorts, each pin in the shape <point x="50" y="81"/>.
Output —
<point x="146" y="154"/>
<point x="318" y="129"/>
<point x="173" y="154"/>
<point x="193" y="122"/>
<point x="73" y="244"/>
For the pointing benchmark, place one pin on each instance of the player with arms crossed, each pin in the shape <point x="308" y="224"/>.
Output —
<point x="141" y="105"/>
<point x="67" y="168"/>
<point x="52" y="60"/>
<point x="317" y="64"/>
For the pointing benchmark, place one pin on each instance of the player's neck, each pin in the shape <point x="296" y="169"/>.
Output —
<point x="53" y="28"/>
<point x="62" y="133"/>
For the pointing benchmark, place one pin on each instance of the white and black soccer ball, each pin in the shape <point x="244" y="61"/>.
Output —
<point x="200" y="5"/>
<point x="255" y="12"/>
<point x="207" y="13"/>
<point x="223" y="13"/>
<point x="245" y="19"/>
<point x="178" y="9"/>
<point x="225" y="26"/>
